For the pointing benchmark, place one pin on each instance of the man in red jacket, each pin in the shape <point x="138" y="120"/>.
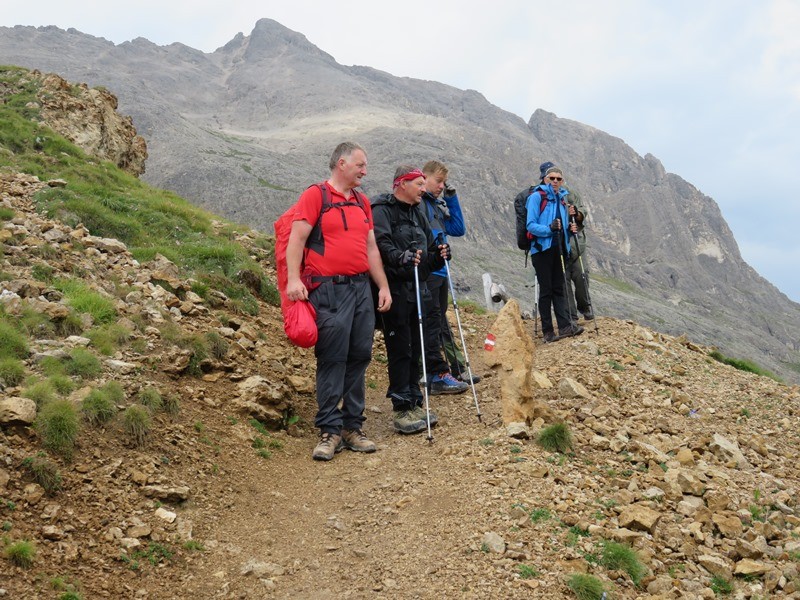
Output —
<point x="335" y="279"/>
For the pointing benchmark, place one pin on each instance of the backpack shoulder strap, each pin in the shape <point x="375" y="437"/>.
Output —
<point x="314" y="240"/>
<point x="543" y="201"/>
<point x="359" y="199"/>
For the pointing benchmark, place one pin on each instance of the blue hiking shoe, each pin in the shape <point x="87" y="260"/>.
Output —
<point x="445" y="383"/>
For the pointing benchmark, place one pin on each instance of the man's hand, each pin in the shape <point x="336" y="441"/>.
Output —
<point x="572" y="210"/>
<point x="555" y="225"/>
<point x="573" y="227"/>
<point x="410" y="258"/>
<point x="444" y="250"/>
<point x="384" y="299"/>
<point x="449" y="190"/>
<point x="295" y="290"/>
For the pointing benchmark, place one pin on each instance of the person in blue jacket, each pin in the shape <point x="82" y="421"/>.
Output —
<point x="445" y="218"/>
<point x="549" y="246"/>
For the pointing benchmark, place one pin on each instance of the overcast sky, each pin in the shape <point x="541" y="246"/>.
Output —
<point x="709" y="87"/>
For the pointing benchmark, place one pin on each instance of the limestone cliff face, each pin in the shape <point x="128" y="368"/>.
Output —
<point x="88" y="118"/>
<point x="243" y="130"/>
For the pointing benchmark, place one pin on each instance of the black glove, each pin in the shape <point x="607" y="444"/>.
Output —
<point x="555" y="225"/>
<point x="442" y="206"/>
<point x="408" y="258"/>
<point x="448" y="254"/>
<point x="449" y="190"/>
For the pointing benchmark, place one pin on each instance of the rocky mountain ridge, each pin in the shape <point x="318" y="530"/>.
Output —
<point x="687" y="463"/>
<point x="244" y="129"/>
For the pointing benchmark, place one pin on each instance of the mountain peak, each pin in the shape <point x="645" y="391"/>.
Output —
<point x="269" y="38"/>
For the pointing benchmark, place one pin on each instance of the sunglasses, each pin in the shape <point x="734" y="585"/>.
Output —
<point x="555" y="179"/>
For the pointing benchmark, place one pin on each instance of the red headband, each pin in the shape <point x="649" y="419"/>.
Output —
<point x="410" y="176"/>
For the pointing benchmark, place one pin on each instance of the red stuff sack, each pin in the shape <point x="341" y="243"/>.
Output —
<point x="300" y="323"/>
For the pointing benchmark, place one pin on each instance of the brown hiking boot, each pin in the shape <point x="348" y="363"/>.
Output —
<point x="357" y="441"/>
<point x="329" y="444"/>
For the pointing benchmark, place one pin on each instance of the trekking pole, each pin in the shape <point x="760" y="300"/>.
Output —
<point x="463" y="343"/>
<point x="567" y="282"/>
<point x="422" y="350"/>
<point x="585" y="277"/>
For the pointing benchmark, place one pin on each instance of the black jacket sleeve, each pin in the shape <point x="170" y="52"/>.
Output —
<point x="390" y="252"/>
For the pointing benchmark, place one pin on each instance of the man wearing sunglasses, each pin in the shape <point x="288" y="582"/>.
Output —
<point x="550" y="249"/>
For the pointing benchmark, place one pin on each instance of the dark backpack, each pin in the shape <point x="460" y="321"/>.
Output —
<point x="520" y="201"/>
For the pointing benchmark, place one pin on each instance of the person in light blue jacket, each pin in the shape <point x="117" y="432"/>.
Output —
<point x="547" y="214"/>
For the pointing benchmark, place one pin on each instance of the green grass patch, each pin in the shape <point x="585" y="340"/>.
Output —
<point x="21" y="553"/>
<point x="527" y="572"/>
<point x="84" y="299"/>
<point x="468" y="306"/>
<point x="742" y="365"/>
<point x="217" y="345"/>
<point x="62" y="384"/>
<point x="13" y="343"/>
<point x="538" y="515"/>
<point x="720" y="586"/>
<point x="57" y="424"/>
<point x="45" y="473"/>
<point x="98" y="408"/>
<point x="556" y="438"/>
<point x="259" y="427"/>
<point x="82" y="363"/>
<point x="12" y="371"/>
<point x="41" y="391"/>
<point x="172" y="404"/>
<point x="193" y="546"/>
<point x="51" y="365"/>
<point x="617" y="284"/>
<point x="586" y="587"/>
<point x="616" y="556"/>
<point x="36" y="324"/>
<point x="109" y="337"/>
<point x="151" y="398"/>
<point x="137" y="424"/>
<point x="42" y="272"/>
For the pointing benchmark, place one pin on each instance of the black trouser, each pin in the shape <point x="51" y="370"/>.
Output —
<point x="550" y="275"/>
<point x="346" y="322"/>
<point x="452" y="353"/>
<point x="403" y="348"/>
<point x="435" y="325"/>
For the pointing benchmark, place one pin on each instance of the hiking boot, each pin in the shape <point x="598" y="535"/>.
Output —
<point x="357" y="441"/>
<point x="407" y="421"/>
<point x="588" y="315"/>
<point x="549" y="336"/>
<point x="445" y="383"/>
<point x="329" y="444"/>
<point x="419" y="411"/>
<point x="570" y="331"/>
<point x="465" y="378"/>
